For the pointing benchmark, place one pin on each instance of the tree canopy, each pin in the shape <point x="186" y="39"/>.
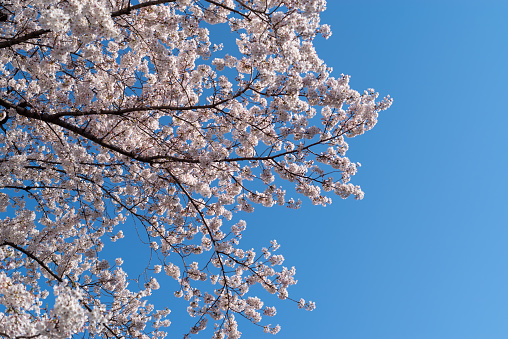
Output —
<point x="118" y="112"/>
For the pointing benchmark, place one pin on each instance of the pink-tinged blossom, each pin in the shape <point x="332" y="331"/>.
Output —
<point x="123" y="117"/>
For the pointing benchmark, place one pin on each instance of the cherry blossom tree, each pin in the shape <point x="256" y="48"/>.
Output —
<point x="117" y="113"/>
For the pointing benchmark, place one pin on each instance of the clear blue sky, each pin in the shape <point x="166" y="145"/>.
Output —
<point x="425" y="254"/>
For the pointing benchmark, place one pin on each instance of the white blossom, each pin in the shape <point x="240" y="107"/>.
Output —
<point x="131" y="120"/>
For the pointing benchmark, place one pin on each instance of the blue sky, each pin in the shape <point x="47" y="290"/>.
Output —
<point x="424" y="255"/>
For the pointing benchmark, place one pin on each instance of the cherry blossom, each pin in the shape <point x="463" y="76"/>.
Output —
<point x="118" y="113"/>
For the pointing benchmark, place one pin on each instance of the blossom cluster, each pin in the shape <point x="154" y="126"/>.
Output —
<point x="132" y="113"/>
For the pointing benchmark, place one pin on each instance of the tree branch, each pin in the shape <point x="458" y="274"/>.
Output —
<point x="128" y="9"/>
<point x="33" y="257"/>
<point x="37" y="34"/>
<point x="148" y="108"/>
<point x="15" y="41"/>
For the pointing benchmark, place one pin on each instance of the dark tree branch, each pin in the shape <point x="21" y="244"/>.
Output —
<point x="26" y="37"/>
<point x="54" y="119"/>
<point x="128" y="9"/>
<point x="37" y="34"/>
<point x="33" y="257"/>
<point x="148" y="108"/>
